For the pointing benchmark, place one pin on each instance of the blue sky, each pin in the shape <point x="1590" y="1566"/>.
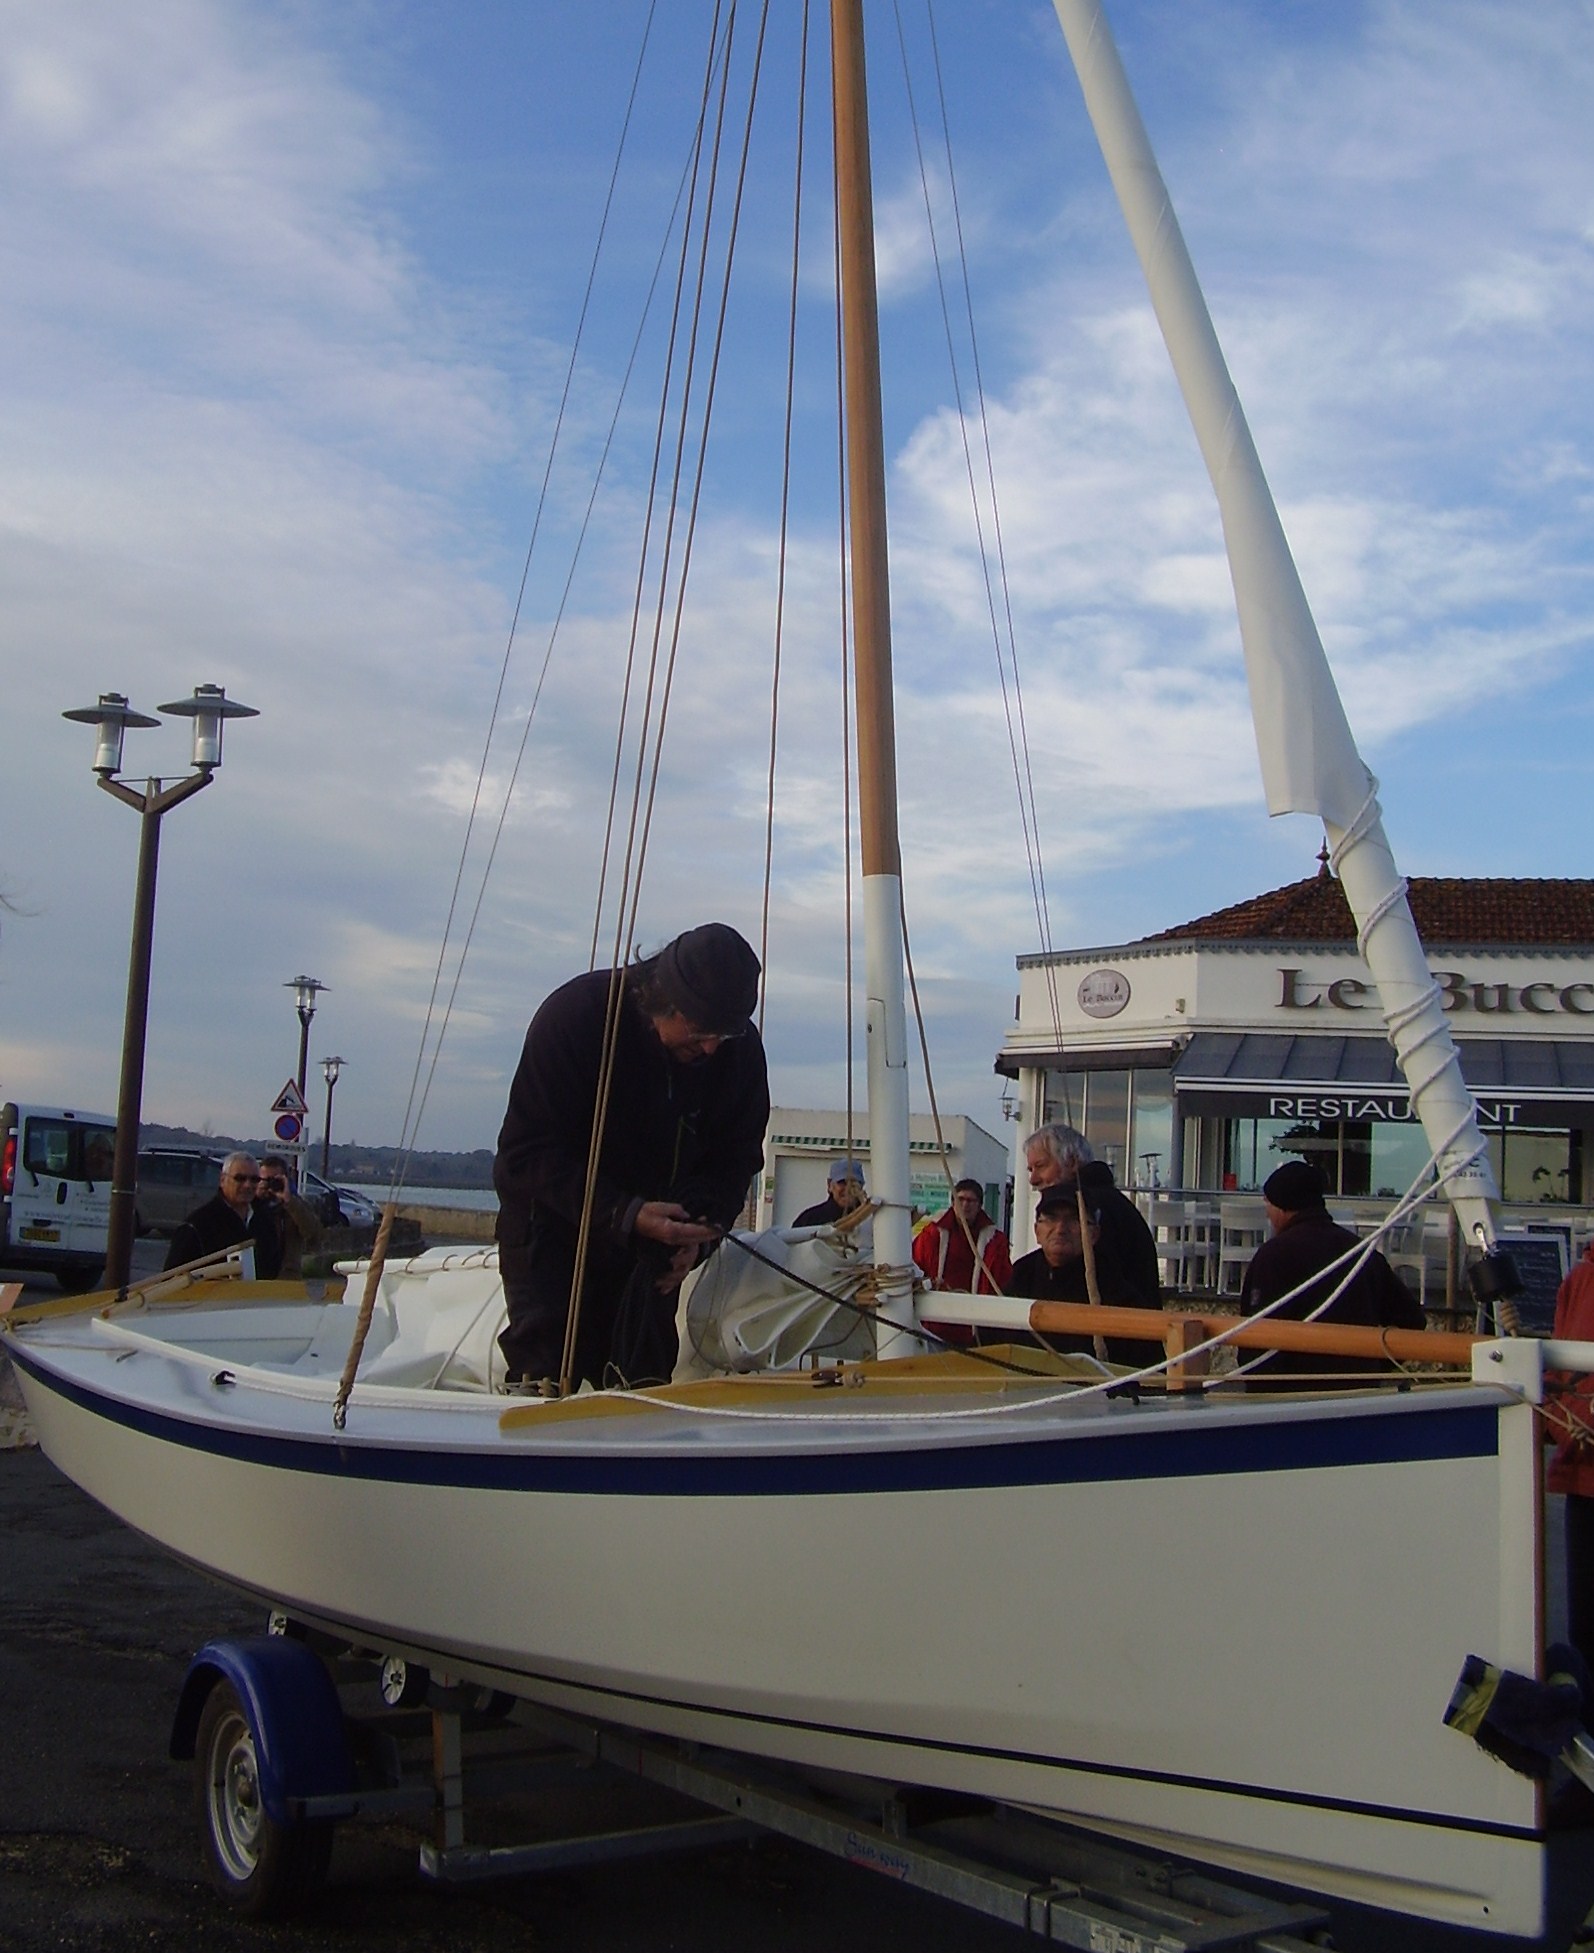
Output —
<point x="288" y="298"/>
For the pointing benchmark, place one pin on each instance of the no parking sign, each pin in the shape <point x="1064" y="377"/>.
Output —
<point x="288" y="1114"/>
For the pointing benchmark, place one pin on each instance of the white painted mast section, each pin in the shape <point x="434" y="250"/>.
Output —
<point x="1309" y="759"/>
<point x="871" y="622"/>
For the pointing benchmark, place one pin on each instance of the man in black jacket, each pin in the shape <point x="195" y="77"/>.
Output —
<point x="231" y="1215"/>
<point x="1306" y="1242"/>
<point x="682" y="1122"/>
<point x="1059" y="1156"/>
<point x="1055" y="1272"/>
<point x="844" y="1194"/>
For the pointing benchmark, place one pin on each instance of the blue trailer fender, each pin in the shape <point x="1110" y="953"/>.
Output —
<point x="293" y="1710"/>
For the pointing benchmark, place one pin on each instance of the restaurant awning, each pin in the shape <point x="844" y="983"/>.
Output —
<point x="1267" y="1075"/>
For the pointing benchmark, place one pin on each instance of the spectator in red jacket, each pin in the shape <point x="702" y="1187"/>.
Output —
<point x="965" y="1239"/>
<point x="963" y="1250"/>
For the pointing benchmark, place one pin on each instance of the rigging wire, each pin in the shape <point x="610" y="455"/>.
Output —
<point x="1018" y="738"/>
<point x="661" y="427"/>
<point x="983" y="493"/>
<point x="716" y="350"/>
<point x="843" y="585"/>
<point x="415" y="1105"/>
<point x="621" y="954"/>
<point x="785" y="510"/>
<point x="506" y="799"/>
<point x="660" y="688"/>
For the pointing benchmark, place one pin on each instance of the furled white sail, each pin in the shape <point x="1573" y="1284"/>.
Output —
<point x="1309" y="759"/>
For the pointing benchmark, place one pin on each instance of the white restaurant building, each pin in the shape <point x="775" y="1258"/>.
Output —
<point x="1201" y="1057"/>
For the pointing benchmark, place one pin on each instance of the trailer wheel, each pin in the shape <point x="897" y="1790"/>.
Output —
<point x="259" y="1866"/>
<point x="403" y="1684"/>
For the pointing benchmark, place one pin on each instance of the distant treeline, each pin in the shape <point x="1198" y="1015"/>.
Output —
<point x="370" y="1165"/>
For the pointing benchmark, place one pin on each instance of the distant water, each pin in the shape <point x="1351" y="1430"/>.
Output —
<point x="479" y="1200"/>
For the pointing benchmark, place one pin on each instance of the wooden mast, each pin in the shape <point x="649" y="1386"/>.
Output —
<point x="871" y="621"/>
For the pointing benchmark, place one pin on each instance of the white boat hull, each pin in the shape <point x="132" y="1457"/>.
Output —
<point x="1157" y="1620"/>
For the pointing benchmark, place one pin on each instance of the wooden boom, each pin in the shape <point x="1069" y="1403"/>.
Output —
<point x="1179" y="1330"/>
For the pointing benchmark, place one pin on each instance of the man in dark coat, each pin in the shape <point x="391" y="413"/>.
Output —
<point x="1305" y="1242"/>
<point x="1058" y="1156"/>
<point x="230" y="1216"/>
<point x="1055" y="1272"/>
<point x="681" y="1137"/>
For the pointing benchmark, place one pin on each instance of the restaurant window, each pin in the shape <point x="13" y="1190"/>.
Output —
<point x="1400" y="1152"/>
<point x="1151" y="1125"/>
<point x="1107" y="1118"/>
<point x="1343" y="1149"/>
<point x="1538" y="1167"/>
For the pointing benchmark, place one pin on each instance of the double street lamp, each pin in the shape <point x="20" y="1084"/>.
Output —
<point x="210" y="709"/>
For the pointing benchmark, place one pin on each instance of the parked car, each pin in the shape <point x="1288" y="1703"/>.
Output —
<point x="172" y="1182"/>
<point x="355" y="1209"/>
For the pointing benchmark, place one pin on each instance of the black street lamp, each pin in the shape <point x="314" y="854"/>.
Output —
<point x="209" y="708"/>
<point x="330" y="1067"/>
<point x="305" y="990"/>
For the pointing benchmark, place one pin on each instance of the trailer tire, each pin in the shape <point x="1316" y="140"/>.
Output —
<point x="260" y="1867"/>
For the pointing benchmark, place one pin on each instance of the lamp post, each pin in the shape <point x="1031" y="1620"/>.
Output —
<point x="209" y="708"/>
<point x="305" y="990"/>
<point x="330" y="1067"/>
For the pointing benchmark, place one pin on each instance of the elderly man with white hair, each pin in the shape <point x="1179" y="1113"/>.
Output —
<point x="229" y="1217"/>
<point x="1059" y="1156"/>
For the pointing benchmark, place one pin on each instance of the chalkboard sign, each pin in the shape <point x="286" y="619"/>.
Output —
<point x="1541" y="1262"/>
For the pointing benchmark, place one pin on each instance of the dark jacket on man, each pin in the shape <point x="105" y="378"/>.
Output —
<point x="1037" y="1280"/>
<point x="1376" y="1298"/>
<point x="688" y="1133"/>
<point x="824" y="1213"/>
<point x="1124" y="1232"/>
<point x="218" y="1225"/>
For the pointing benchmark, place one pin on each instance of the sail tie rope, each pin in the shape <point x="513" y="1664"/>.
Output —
<point x="1399" y="1016"/>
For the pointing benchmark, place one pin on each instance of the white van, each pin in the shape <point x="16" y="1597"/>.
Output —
<point x="55" y="1191"/>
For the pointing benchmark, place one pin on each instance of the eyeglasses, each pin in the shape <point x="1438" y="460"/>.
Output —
<point x="244" y="1179"/>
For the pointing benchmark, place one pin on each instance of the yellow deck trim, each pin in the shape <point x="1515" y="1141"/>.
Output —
<point x="217" y="1293"/>
<point x="837" y="1389"/>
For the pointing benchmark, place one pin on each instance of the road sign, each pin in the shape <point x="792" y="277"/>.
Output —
<point x="290" y="1099"/>
<point x="288" y="1127"/>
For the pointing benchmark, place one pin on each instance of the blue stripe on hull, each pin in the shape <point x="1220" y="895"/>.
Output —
<point x="1181" y="1445"/>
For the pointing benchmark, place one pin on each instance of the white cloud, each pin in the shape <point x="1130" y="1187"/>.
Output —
<point x="259" y="424"/>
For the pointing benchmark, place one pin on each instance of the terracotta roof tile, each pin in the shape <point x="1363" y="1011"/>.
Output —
<point x="1446" y="909"/>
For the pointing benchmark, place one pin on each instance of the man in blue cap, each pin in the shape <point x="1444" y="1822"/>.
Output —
<point x="844" y="1195"/>
<point x="681" y="1137"/>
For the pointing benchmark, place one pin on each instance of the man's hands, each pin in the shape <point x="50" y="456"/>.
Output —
<point x="668" y="1223"/>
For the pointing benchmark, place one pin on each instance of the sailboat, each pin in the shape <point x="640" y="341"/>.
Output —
<point x="1123" y="1608"/>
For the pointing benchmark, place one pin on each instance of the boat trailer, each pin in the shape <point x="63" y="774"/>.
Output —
<point x="280" y="1759"/>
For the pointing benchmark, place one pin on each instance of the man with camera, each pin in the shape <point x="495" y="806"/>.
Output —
<point x="294" y="1222"/>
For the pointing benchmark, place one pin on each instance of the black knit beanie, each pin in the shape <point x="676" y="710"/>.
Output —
<point x="1295" y="1186"/>
<point x="710" y="975"/>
